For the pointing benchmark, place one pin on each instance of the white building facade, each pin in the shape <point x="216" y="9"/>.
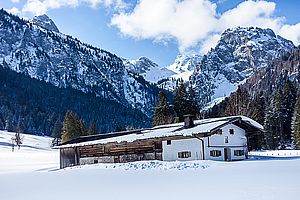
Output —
<point x="229" y="143"/>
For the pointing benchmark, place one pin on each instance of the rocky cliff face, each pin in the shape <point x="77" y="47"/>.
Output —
<point x="266" y="79"/>
<point x="45" y="22"/>
<point x="39" y="50"/>
<point x="238" y="55"/>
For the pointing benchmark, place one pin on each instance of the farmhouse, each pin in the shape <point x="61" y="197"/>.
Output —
<point x="224" y="139"/>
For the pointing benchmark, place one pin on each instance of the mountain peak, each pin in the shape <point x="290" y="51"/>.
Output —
<point x="240" y="53"/>
<point x="45" y="22"/>
<point x="242" y="35"/>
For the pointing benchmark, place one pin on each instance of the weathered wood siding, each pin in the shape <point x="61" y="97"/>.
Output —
<point x="121" y="152"/>
<point x="68" y="157"/>
<point x="146" y="149"/>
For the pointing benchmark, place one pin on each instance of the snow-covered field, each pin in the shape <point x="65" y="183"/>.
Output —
<point x="32" y="173"/>
<point x="34" y="155"/>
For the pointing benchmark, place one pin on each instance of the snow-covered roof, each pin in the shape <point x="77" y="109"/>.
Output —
<point x="201" y="126"/>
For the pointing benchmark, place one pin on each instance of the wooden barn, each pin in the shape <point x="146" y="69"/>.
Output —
<point x="227" y="138"/>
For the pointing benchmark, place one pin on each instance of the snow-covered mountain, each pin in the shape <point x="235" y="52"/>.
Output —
<point x="148" y="69"/>
<point x="184" y="66"/>
<point x="45" y="22"/>
<point x="238" y="55"/>
<point x="165" y="77"/>
<point x="63" y="61"/>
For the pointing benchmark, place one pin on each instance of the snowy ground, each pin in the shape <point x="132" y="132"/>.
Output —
<point x="32" y="174"/>
<point x="34" y="155"/>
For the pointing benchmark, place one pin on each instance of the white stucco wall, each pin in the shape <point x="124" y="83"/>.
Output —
<point x="236" y="141"/>
<point x="170" y="152"/>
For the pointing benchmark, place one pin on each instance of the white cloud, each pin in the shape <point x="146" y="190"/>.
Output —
<point x="14" y="11"/>
<point x="291" y="32"/>
<point x="38" y="7"/>
<point x="15" y="1"/>
<point x="187" y="21"/>
<point x="209" y="42"/>
<point x="193" y="22"/>
<point x="251" y="13"/>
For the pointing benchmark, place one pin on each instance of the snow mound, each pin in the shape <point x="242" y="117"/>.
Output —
<point x="152" y="165"/>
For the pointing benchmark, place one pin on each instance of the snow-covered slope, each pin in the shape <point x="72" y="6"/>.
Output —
<point x="184" y="66"/>
<point x="238" y="55"/>
<point x="30" y="143"/>
<point x="148" y="69"/>
<point x="34" y="154"/>
<point x="66" y="62"/>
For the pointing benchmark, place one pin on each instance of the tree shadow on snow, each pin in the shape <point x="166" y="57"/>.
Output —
<point x="5" y="144"/>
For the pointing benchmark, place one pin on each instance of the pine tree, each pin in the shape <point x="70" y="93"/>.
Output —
<point x="181" y="102"/>
<point x="163" y="111"/>
<point x="56" y="133"/>
<point x="83" y="129"/>
<point x="71" y="127"/>
<point x="269" y="124"/>
<point x="273" y="121"/>
<point x="287" y="109"/>
<point x="257" y="108"/>
<point x="296" y="124"/>
<point x="238" y="103"/>
<point x="92" y="129"/>
<point x="57" y="129"/>
<point x="192" y="104"/>
<point x="9" y="124"/>
<point x="279" y="115"/>
<point x="20" y="125"/>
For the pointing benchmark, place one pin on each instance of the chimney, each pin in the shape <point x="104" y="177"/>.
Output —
<point x="188" y="121"/>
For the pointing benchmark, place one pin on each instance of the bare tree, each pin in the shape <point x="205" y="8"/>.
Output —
<point x="17" y="140"/>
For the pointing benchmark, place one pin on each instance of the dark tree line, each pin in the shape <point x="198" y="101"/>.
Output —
<point x="296" y="123"/>
<point x="184" y="102"/>
<point x="34" y="106"/>
<point x="276" y="111"/>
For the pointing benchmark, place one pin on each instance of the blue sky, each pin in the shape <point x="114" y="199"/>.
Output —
<point x="160" y="29"/>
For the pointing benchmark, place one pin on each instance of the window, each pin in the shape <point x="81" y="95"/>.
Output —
<point x="239" y="152"/>
<point x="231" y="131"/>
<point x="215" y="153"/>
<point x="226" y="139"/>
<point x="95" y="161"/>
<point x="168" y="142"/>
<point x="184" y="154"/>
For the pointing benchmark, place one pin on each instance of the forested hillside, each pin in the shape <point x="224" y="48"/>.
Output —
<point x="33" y="106"/>
<point x="269" y="97"/>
